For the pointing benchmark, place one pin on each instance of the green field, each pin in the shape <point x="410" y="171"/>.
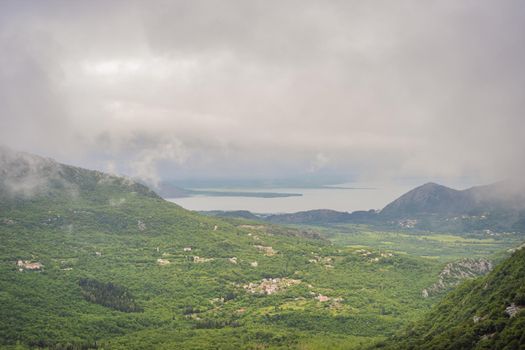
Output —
<point x="437" y="246"/>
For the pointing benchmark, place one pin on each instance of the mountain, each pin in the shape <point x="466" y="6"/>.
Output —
<point x="25" y="177"/>
<point x="239" y="214"/>
<point x="486" y="313"/>
<point x="428" y="199"/>
<point x="490" y="209"/>
<point x="322" y="216"/>
<point x="497" y="207"/>
<point x="434" y="199"/>
<point x="501" y="196"/>
<point x="308" y="217"/>
<point x="94" y="261"/>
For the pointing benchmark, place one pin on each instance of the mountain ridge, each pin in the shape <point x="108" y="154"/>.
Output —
<point x="496" y="207"/>
<point x="24" y="176"/>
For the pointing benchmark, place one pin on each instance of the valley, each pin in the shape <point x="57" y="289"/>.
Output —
<point x="430" y="245"/>
<point x="93" y="261"/>
<point x="336" y="291"/>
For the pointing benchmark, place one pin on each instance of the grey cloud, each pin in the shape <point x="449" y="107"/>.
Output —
<point x="261" y="88"/>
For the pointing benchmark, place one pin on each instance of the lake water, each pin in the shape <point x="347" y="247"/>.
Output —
<point x="360" y="197"/>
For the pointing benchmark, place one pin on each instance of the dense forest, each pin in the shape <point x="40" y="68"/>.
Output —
<point x="109" y="295"/>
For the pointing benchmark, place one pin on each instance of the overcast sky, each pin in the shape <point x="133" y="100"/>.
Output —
<point x="177" y="89"/>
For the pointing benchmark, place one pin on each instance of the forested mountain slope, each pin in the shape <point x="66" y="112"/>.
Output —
<point x="486" y="313"/>
<point x="497" y="207"/>
<point x="26" y="177"/>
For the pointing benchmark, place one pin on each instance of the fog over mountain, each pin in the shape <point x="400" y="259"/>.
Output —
<point x="222" y="89"/>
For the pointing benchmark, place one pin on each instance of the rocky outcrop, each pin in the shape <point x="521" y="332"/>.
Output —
<point x="512" y="310"/>
<point x="455" y="272"/>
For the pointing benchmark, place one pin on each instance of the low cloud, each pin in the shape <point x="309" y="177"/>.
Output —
<point x="319" y="162"/>
<point x="145" y="165"/>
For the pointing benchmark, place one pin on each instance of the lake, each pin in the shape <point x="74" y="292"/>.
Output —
<point x="359" y="197"/>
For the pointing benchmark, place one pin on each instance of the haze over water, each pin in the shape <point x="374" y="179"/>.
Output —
<point x="360" y="197"/>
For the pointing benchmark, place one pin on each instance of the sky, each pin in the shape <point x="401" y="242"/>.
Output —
<point x="375" y="90"/>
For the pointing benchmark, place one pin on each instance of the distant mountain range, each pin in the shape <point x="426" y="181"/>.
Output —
<point x="434" y="199"/>
<point x="497" y="207"/>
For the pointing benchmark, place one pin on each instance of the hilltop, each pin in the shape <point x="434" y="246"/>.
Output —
<point x="428" y="199"/>
<point x="25" y="177"/>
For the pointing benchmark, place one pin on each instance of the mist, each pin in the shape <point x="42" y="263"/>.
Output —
<point x="374" y="90"/>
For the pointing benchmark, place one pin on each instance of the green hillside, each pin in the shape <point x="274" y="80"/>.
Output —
<point x="89" y="260"/>
<point x="94" y="261"/>
<point x="486" y="313"/>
